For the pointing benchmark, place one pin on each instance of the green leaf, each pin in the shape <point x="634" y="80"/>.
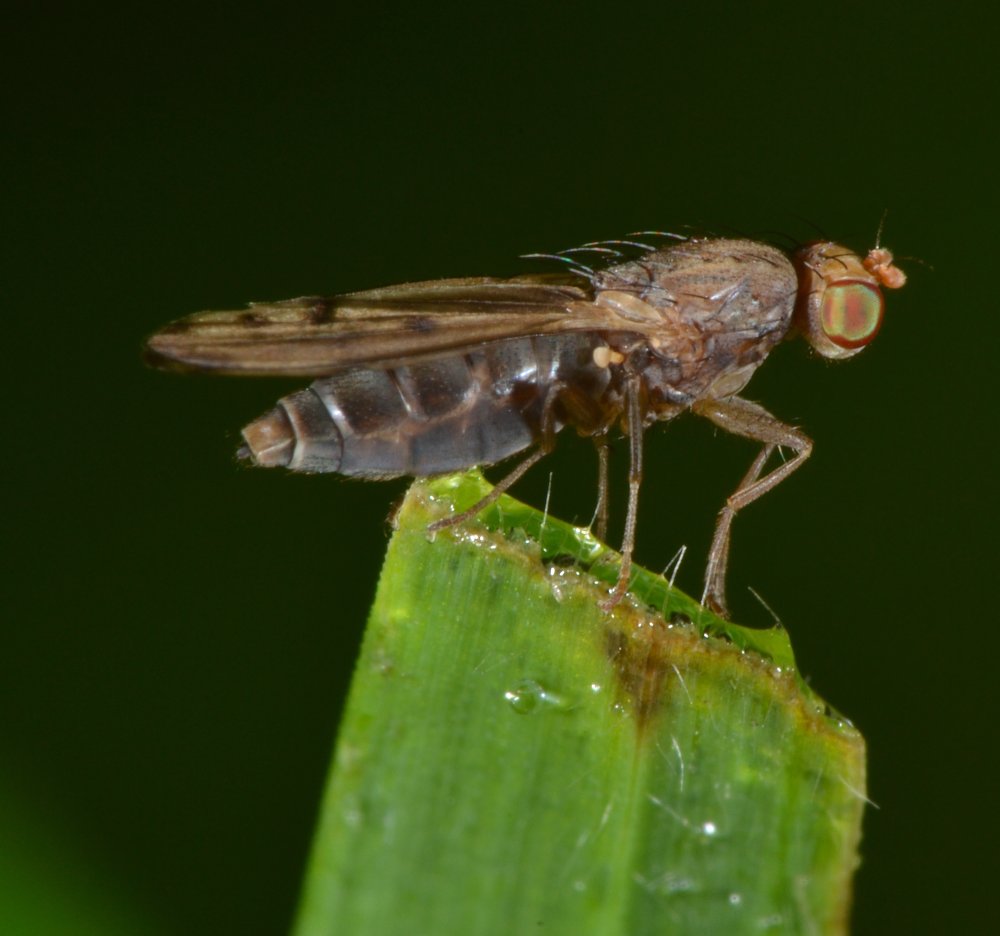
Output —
<point x="514" y="760"/>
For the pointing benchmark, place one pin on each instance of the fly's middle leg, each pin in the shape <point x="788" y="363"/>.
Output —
<point x="747" y="419"/>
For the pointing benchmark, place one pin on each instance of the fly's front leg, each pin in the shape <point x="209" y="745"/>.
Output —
<point x="714" y="595"/>
<point x="634" y="422"/>
<point x="747" y="419"/>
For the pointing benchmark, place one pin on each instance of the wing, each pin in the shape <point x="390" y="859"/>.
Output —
<point x="315" y="336"/>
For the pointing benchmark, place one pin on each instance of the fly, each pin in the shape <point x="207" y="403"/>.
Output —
<point x="438" y="376"/>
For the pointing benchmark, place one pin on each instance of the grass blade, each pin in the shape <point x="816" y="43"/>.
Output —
<point x="514" y="760"/>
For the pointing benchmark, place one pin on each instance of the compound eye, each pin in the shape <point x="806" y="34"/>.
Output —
<point x="851" y="313"/>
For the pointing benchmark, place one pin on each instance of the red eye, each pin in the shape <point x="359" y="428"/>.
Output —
<point x="851" y="313"/>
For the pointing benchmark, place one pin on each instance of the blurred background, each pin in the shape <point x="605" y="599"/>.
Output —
<point x="179" y="631"/>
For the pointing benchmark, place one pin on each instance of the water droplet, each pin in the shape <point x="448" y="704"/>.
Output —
<point x="709" y="828"/>
<point x="556" y="584"/>
<point x="529" y="696"/>
<point x="674" y="884"/>
<point x="735" y="899"/>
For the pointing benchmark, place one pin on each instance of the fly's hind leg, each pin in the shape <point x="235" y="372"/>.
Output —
<point x="501" y="486"/>
<point x="747" y="419"/>
<point x="634" y="423"/>
<point x="545" y="446"/>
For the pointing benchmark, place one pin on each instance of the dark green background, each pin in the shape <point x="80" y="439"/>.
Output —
<point x="179" y="631"/>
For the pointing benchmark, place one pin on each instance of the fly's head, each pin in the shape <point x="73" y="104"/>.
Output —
<point x="840" y="305"/>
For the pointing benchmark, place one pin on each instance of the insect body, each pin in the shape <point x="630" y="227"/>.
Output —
<point x="432" y="377"/>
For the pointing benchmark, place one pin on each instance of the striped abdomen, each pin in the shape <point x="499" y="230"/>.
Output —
<point x="426" y="418"/>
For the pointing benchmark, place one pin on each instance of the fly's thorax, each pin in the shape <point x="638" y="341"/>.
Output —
<point x="699" y="278"/>
<point x="708" y="313"/>
<point x="685" y="296"/>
